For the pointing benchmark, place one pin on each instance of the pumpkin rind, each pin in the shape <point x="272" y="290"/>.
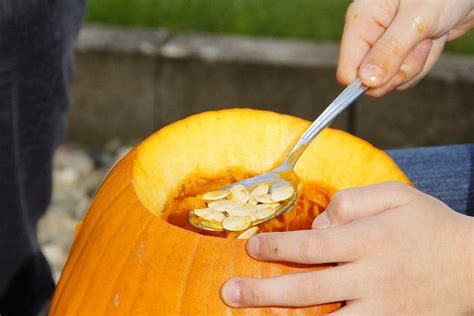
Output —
<point x="127" y="260"/>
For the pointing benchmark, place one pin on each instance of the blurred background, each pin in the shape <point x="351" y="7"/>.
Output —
<point x="142" y="64"/>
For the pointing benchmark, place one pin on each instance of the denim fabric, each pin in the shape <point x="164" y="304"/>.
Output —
<point x="445" y="172"/>
<point x="36" y="44"/>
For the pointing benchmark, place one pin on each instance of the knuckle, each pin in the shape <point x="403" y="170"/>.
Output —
<point x="250" y="294"/>
<point x="383" y="280"/>
<point x="384" y="50"/>
<point x="311" y="247"/>
<point x="342" y="205"/>
<point x="411" y="69"/>
<point x="398" y="187"/>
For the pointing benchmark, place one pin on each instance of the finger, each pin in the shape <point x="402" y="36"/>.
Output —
<point x="433" y="56"/>
<point x="299" y="289"/>
<point x="386" y="56"/>
<point x="410" y="68"/>
<point x="362" y="28"/>
<point x="351" y="204"/>
<point x="461" y="28"/>
<point x="342" y="244"/>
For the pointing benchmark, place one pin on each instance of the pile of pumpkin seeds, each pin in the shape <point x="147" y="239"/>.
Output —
<point x="237" y="209"/>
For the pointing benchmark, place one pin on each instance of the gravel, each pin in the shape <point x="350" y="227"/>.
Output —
<point x="77" y="174"/>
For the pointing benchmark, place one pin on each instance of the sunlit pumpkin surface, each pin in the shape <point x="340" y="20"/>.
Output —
<point x="135" y="253"/>
<point x="311" y="201"/>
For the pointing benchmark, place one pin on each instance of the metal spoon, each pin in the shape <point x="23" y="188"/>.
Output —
<point x="284" y="174"/>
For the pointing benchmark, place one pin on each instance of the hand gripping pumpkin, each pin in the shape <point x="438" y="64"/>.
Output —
<point x="135" y="252"/>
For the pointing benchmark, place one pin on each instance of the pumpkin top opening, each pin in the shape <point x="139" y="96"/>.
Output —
<point x="211" y="144"/>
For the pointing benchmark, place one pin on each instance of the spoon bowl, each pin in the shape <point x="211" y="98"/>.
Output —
<point x="276" y="178"/>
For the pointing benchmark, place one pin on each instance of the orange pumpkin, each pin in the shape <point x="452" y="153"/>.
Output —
<point x="135" y="254"/>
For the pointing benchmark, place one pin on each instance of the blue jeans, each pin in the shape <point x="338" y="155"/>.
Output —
<point x="445" y="172"/>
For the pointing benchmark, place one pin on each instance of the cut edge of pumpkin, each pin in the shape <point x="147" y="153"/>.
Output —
<point x="162" y="162"/>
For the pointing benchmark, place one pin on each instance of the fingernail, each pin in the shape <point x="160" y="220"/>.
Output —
<point x="322" y="221"/>
<point x="253" y="246"/>
<point x="231" y="293"/>
<point x="425" y="46"/>
<point x="372" y="74"/>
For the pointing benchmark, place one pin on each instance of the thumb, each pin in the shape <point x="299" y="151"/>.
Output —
<point x="384" y="59"/>
<point x="351" y="204"/>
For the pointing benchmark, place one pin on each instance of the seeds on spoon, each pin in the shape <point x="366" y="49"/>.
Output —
<point x="239" y="194"/>
<point x="249" y="233"/>
<point x="236" y="209"/>
<point x="236" y="223"/>
<point x="282" y="193"/>
<point x="215" y="195"/>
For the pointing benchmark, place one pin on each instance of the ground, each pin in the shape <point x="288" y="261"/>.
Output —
<point x="77" y="174"/>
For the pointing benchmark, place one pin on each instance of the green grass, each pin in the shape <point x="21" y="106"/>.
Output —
<point x="304" y="19"/>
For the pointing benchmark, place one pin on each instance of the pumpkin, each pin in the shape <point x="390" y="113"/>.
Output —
<point x="135" y="253"/>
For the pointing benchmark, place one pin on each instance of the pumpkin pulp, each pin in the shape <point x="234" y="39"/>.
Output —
<point x="311" y="201"/>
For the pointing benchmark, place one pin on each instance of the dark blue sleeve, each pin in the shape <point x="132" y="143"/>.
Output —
<point x="445" y="172"/>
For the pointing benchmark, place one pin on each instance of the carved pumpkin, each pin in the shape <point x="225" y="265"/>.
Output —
<point x="135" y="253"/>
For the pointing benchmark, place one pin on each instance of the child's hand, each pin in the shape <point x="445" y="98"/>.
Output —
<point x="394" y="43"/>
<point x="400" y="252"/>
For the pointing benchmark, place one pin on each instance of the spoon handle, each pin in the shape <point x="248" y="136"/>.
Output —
<point x="343" y="100"/>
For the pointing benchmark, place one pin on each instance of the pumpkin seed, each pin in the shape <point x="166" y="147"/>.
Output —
<point x="260" y="189"/>
<point x="237" y="211"/>
<point x="222" y="205"/>
<point x="236" y="223"/>
<point x="215" y="195"/>
<point x="211" y="224"/>
<point x="251" y="207"/>
<point x="282" y="193"/>
<point x="264" y="198"/>
<point x="265" y="212"/>
<point x="252" y="200"/>
<point x="213" y="216"/>
<point x="269" y="205"/>
<point x="249" y="233"/>
<point x="202" y="212"/>
<point x="239" y="194"/>
<point x="252" y="217"/>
